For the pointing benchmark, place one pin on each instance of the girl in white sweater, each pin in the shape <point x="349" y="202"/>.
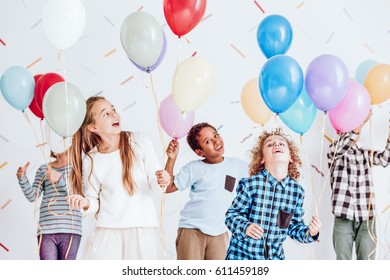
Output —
<point x="114" y="181"/>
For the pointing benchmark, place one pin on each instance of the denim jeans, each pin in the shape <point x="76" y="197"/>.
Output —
<point x="346" y="232"/>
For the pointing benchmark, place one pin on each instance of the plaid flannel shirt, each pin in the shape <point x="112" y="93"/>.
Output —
<point x="276" y="206"/>
<point x="350" y="177"/>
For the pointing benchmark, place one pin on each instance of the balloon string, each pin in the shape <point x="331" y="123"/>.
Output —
<point x="163" y="193"/>
<point x="158" y="117"/>
<point x="329" y="169"/>
<point x="322" y="146"/>
<point x="177" y="125"/>
<point x="36" y="136"/>
<point x="371" y="232"/>
<point x="177" y="65"/>
<point x="310" y="174"/>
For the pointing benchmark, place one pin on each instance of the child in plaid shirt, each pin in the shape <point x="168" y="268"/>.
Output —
<point x="268" y="205"/>
<point x="353" y="193"/>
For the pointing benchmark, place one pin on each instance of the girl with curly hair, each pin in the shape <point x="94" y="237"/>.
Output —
<point x="268" y="205"/>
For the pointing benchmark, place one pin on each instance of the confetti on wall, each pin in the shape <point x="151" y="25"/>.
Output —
<point x="348" y="15"/>
<point x="300" y="5"/>
<point x="2" y="165"/>
<point x="2" y="42"/>
<point x="5" y="248"/>
<point x="110" y="53"/>
<point x="238" y="51"/>
<point x="369" y="48"/>
<point x="258" y="5"/>
<point x="35" y="24"/>
<point x="246" y="138"/>
<point x="129" y="106"/>
<point x="33" y="63"/>
<point x="89" y="70"/>
<point x="304" y="32"/>
<point x="328" y="138"/>
<point x="109" y="21"/>
<point x="206" y="17"/>
<point x="6" y="204"/>
<point x="128" y="79"/>
<point x="318" y="170"/>
<point x="330" y="37"/>
<point x="5" y="139"/>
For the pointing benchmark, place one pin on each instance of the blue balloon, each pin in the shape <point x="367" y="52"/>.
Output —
<point x="363" y="68"/>
<point x="280" y="82"/>
<point x="274" y="35"/>
<point x="300" y="116"/>
<point x="17" y="86"/>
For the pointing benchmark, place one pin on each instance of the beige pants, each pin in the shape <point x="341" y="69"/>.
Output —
<point x="192" y="244"/>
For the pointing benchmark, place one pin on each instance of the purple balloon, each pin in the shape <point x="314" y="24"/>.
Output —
<point x="175" y="122"/>
<point x="326" y="81"/>
<point x="159" y="59"/>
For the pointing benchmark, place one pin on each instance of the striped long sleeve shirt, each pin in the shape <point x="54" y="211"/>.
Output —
<point x="55" y="215"/>
<point x="274" y="205"/>
<point x="350" y="177"/>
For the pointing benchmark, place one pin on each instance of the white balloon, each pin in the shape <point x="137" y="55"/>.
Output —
<point x="56" y="143"/>
<point x="64" y="108"/>
<point x="142" y="38"/>
<point x="194" y="82"/>
<point x="64" y="22"/>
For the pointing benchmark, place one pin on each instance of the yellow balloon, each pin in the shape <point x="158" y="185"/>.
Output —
<point x="377" y="83"/>
<point x="253" y="104"/>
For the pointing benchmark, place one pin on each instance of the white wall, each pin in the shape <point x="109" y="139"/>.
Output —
<point x="352" y="30"/>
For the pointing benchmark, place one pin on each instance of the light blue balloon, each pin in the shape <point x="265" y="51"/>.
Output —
<point x="280" y="82"/>
<point x="363" y="68"/>
<point x="300" y="116"/>
<point x="17" y="86"/>
<point x="274" y="35"/>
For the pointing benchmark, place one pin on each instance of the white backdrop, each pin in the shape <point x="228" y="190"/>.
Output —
<point x="352" y="30"/>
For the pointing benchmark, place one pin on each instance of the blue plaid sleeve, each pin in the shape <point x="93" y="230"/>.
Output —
<point x="297" y="229"/>
<point x="238" y="213"/>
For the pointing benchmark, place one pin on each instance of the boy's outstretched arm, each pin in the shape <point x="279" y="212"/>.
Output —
<point x="172" y="152"/>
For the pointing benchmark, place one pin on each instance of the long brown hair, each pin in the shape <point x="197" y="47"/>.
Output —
<point x="84" y="141"/>
<point x="257" y="163"/>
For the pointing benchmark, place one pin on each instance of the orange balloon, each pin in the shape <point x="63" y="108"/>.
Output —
<point x="253" y="104"/>
<point x="377" y="83"/>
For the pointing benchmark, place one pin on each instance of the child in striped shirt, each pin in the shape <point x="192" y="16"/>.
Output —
<point x="59" y="229"/>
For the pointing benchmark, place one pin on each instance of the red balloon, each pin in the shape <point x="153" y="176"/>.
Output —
<point x="34" y="105"/>
<point x="182" y="16"/>
<point x="43" y="84"/>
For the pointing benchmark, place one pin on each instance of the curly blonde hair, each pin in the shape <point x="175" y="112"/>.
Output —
<point x="257" y="163"/>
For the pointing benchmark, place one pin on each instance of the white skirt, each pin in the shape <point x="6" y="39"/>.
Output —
<point x="124" y="244"/>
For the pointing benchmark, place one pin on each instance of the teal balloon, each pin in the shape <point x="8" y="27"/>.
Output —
<point x="300" y="116"/>
<point x="363" y="68"/>
<point x="280" y="82"/>
<point x="64" y="108"/>
<point x="17" y="86"/>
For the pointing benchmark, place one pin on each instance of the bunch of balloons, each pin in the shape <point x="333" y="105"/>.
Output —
<point x="48" y="96"/>
<point x="326" y="85"/>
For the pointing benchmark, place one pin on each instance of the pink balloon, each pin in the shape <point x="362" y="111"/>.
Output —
<point x="175" y="122"/>
<point x="352" y="110"/>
